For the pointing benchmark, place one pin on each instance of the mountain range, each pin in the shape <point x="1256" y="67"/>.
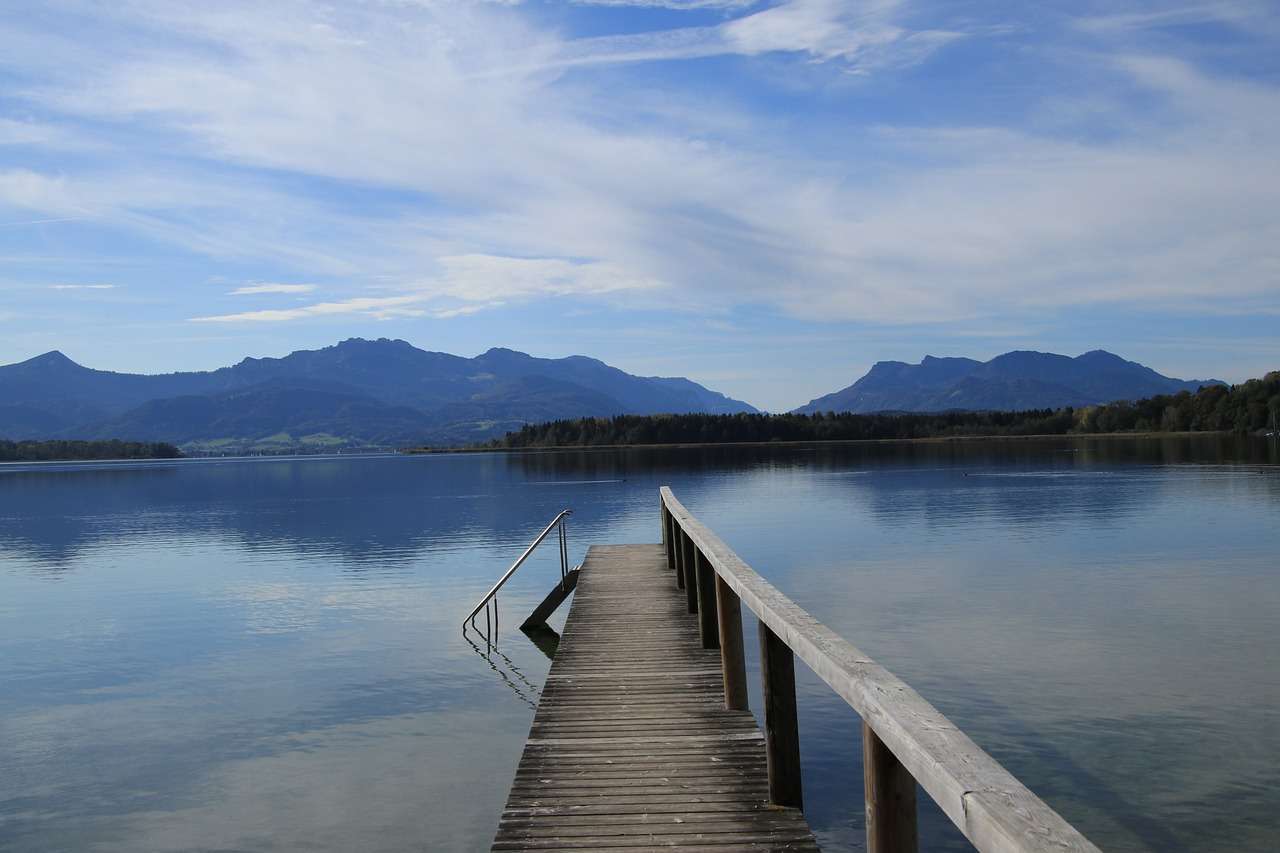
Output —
<point x="1013" y="381"/>
<point x="355" y="393"/>
<point x="361" y="393"/>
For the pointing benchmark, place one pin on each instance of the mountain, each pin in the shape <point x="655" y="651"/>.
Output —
<point x="272" y="412"/>
<point x="1013" y="381"/>
<point x="355" y="393"/>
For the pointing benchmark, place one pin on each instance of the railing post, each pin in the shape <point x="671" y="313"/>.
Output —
<point x="677" y="552"/>
<point x="690" y="580"/>
<point x="666" y="535"/>
<point x="733" y="663"/>
<point x="708" y="632"/>
<point x="890" y="793"/>
<point x="781" y="725"/>
<point x="672" y="564"/>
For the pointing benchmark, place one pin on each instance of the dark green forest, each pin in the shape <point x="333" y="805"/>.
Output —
<point x="49" y="451"/>
<point x="1249" y="407"/>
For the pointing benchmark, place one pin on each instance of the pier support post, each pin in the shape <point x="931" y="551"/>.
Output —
<point x="669" y="538"/>
<point x="677" y="551"/>
<point x="781" y="725"/>
<point x="733" y="662"/>
<point x="890" y="793"/>
<point x="690" y="579"/>
<point x="708" y="623"/>
<point x="665" y="518"/>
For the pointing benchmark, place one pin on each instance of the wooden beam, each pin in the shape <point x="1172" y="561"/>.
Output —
<point x="665" y="518"/>
<point x="677" y="553"/>
<point x="781" y="725"/>
<point x="690" y="580"/>
<point x="708" y="624"/>
<point x="890" y="792"/>
<point x="553" y="600"/>
<point x="733" y="662"/>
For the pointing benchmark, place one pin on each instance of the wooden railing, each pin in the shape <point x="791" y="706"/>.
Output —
<point x="905" y="739"/>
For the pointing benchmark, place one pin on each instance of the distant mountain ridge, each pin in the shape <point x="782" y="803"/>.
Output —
<point x="1014" y="381"/>
<point x="357" y="392"/>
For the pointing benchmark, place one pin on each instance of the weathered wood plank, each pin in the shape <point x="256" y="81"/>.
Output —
<point x="632" y="746"/>
<point x="734" y="840"/>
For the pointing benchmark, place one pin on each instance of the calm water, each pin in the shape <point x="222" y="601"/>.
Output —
<point x="265" y="655"/>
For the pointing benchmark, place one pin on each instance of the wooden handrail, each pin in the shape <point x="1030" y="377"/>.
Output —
<point x="995" y="811"/>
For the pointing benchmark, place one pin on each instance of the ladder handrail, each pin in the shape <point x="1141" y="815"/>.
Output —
<point x="558" y="520"/>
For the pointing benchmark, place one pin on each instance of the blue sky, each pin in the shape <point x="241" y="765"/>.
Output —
<point x="765" y="197"/>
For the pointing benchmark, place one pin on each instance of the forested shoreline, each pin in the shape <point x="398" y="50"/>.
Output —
<point x="1252" y="406"/>
<point x="60" y="450"/>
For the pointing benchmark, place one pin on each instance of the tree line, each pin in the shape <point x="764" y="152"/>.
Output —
<point x="1249" y="407"/>
<point x="49" y="451"/>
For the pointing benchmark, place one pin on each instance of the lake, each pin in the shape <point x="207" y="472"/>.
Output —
<point x="265" y="654"/>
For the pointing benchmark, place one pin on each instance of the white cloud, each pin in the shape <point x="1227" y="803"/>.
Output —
<point x="1239" y="14"/>
<point x="476" y="281"/>
<point x="380" y="308"/>
<point x="41" y="221"/>
<point x="480" y="277"/>
<point x="270" y="287"/>
<point x="860" y="38"/>
<point x="686" y="5"/>
<point x="372" y="306"/>
<point x="14" y="132"/>
<point x="30" y="190"/>
<point x="824" y="29"/>
<point x="516" y="178"/>
<point x="82" y="287"/>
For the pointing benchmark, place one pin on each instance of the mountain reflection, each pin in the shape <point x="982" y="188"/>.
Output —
<point x="379" y="513"/>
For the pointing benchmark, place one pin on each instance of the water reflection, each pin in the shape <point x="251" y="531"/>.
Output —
<point x="246" y="655"/>
<point x="405" y="507"/>
<point x="445" y="502"/>
<point x="545" y="638"/>
<point x="507" y="670"/>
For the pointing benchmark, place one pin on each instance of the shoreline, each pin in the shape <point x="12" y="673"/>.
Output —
<point x="942" y="439"/>
<point x="567" y="448"/>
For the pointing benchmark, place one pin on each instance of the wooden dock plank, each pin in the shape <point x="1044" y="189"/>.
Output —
<point x="631" y="746"/>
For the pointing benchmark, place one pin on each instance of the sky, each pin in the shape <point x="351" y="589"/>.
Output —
<point x="766" y="197"/>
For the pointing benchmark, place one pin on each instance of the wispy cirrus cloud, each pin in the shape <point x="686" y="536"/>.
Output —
<point x="25" y="132"/>
<point x="379" y="308"/>
<point x="1236" y="13"/>
<point x="857" y="38"/>
<point x="686" y="5"/>
<point x="82" y="287"/>
<point x="470" y="283"/>
<point x="41" y="221"/>
<point x="867" y="35"/>
<point x="271" y="287"/>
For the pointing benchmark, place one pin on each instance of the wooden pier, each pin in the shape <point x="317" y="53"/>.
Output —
<point x="643" y="740"/>
<point x="632" y="746"/>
